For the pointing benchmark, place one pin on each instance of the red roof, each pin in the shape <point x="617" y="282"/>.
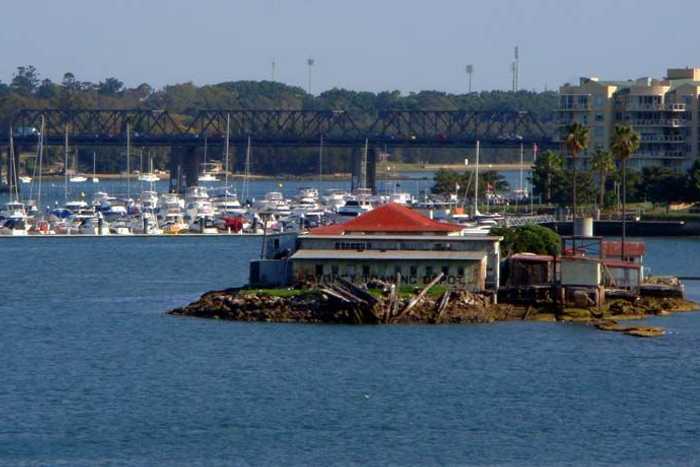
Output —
<point x="613" y="248"/>
<point x="389" y="218"/>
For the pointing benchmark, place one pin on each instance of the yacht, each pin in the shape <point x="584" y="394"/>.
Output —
<point x="273" y="203"/>
<point x="14" y="227"/>
<point x="94" y="226"/>
<point x="78" y="179"/>
<point x="25" y="179"/>
<point x="145" y="224"/>
<point x="334" y="198"/>
<point x="174" y="224"/>
<point x="14" y="210"/>
<point x="197" y="204"/>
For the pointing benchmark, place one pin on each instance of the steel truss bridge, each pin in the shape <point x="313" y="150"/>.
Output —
<point x="184" y="134"/>
<point x="404" y="128"/>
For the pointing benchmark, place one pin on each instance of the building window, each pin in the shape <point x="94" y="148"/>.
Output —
<point x="460" y="271"/>
<point x="397" y="270"/>
<point x="446" y="270"/>
<point x="319" y="270"/>
<point x="414" y="271"/>
<point x="365" y="270"/>
<point x="334" y="269"/>
<point x="429" y="271"/>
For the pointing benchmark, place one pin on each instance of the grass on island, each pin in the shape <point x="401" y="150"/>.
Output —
<point x="280" y="292"/>
<point x="405" y="291"/>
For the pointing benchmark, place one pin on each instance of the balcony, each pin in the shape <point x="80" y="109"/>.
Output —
<point x="659" y="122"/>
<point x="576" y="107"/>
<point x="663" y="139"/>
<point x="660" y="155"/>
<point x="657" y="107"/>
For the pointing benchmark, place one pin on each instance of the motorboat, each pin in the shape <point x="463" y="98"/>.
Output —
<point x="174" y="224"/>
<point x="148" y="177"/>
<point x="207" y="177"/>
<point x="14" y="227"/>
<point x="78" y="179"/>
<point x="94" y="226"/>
<point x="334" y="198"/>
<point x="14" y="210"/>
<point x="354" y="207"/>
<point x="204" y="225"/>
<point x="25" y="179"/>
<point x="146" y="224"/>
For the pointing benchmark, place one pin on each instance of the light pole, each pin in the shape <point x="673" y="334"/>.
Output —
<point x="310" y="62"/>
<point x="469" y="69"/>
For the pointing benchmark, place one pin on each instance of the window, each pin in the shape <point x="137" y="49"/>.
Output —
<point x="460" y="271"/>
<point x="365" y="270"/>
<point x="429" y="271"/>
<point x="414" y="271"/>
<point x="446" y="270"/>
<point x="397" y="270"/>
<point x="319" y="270"/>
<point x="334" y="269"/>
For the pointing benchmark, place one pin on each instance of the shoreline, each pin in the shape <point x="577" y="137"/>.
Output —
<point x="349" y="304"/>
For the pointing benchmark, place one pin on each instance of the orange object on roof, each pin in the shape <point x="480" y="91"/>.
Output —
<point x="389" y="218"/>
<point x="613" y="248"/>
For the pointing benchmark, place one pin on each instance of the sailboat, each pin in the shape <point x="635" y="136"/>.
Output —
<point x="94" y="168"/>
<point x="206" y="176"/>
<point x="149" y="177"/>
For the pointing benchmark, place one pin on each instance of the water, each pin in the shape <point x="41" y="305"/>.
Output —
<point x="93" y="372"/>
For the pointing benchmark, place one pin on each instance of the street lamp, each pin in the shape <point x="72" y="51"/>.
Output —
<point x="469" y="69"/>
<point x="310" y="62"/>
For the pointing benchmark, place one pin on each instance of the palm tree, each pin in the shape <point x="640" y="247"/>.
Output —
<point x="576" y="141"/>
<point x="625" y="143"/>
<point x="603" y="163"/>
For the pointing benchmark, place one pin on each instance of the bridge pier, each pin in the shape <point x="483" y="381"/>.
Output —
<point x="184" y="168"/>
<point x="364" y="173"/>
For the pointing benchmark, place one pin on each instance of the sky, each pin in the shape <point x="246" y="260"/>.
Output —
<point x="368" y="45"/>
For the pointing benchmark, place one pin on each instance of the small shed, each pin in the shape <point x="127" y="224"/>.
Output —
<point x="622" y="274"/>
<point x="528" y="269"/>
<point x="580" y="271"/>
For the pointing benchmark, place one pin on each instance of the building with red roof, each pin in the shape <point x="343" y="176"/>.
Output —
<point x="390" y="219"/>
<point x="394" y="241"/>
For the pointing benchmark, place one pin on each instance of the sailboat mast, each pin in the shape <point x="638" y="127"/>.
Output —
<point x="41" y="158"/>
<point x="320" y="161"/>
<point x="476" y="181"/>
<point x="128" y="171"/>
<point x="226" y="146"/>
<point x="363" y="167"/>
<point x="65" y="164"/>
<point x="13" y="170"/>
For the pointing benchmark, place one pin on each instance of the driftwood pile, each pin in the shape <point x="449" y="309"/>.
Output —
<point x="346" y="303"/>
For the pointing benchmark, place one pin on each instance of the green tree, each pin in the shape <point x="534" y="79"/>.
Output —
<point x="110" y="87"/>
<point x="603" y="163"/>
<point x="625" y="143"/>
<point x="25" y="80"/>
<point x="694" y="181"/>
<point x="530" y="238"/>
<point x="547" y="174"/>
<point x="576" y="141"/>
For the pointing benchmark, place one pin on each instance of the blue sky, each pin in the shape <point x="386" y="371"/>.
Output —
<point x="371" y="45"/>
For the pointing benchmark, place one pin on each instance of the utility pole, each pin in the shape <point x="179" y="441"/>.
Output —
<point x="469" y="69"/>
<point x="310" y="62"/>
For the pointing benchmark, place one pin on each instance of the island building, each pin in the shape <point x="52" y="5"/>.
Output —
<point x="389" y="242"/>
<point x="663" y="111"/>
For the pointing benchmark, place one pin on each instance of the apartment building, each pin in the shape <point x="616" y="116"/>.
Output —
<point x="664" y="112"/>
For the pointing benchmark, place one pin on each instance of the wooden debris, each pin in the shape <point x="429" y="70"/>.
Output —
<point x="420" y="296"/>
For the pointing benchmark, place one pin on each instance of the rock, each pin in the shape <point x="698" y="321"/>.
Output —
<point x="645" y="332"/>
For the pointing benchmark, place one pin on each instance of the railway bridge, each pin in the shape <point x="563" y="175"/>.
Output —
<point x="184" y="134"/>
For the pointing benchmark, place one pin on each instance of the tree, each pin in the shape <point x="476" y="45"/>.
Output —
<point x="547" y="174"/>
<point x="47" y="90"/>
<point x="603" y="163"/>
<point x="694" y="181"/>
<point x="25" y="80"/>
<point x="530" y="238"/>
<point x="110" y="87"/>
<point x="576" y="141"/>
<point x="625" y="143"/>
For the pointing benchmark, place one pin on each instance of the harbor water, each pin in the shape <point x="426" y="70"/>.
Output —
<point x="94" y="373"/>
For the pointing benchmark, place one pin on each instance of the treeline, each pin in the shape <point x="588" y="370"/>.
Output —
<point x="29" y="89"/>
<point x="552" y="182"/>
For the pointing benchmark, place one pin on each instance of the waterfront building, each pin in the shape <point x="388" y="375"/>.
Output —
<point x="663" y="111"/>
<point x="392" y="241"/>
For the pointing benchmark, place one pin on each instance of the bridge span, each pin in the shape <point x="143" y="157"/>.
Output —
<point x="266" y="128"/>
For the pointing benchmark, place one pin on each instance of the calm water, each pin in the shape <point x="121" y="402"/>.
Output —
<point x="93" y="372"/>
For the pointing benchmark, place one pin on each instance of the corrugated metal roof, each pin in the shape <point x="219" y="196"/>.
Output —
<point x="613" y="248"/>
<point x="531" y="258"/>
<point x="390" y="255"/>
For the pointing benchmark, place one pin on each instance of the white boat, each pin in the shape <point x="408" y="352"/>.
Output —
<point x="94" y="226"/>
<point x="207" y="177"/>
<point x="150" y="178"/>
<point x="14" y="210"/>
<point x="78" y="179"/>
<point x="356" y="205"/>
<point x="25" y="179"/>
<point x="14" y="228"/>
<point x="94" y="168"/>
<point x="197" y="204"/>
<point x="335" y="198"/>
<point x="146" y="224"/>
